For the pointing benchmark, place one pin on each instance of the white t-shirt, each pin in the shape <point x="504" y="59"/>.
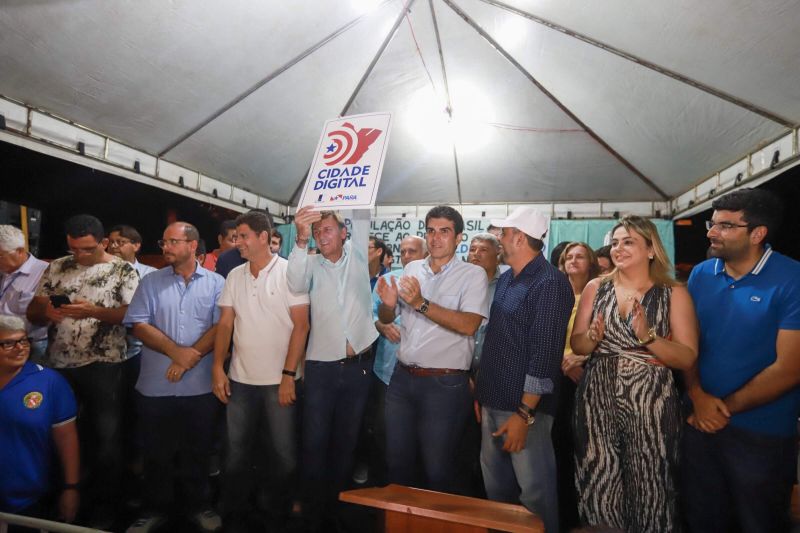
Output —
<point x="263" y="326"/>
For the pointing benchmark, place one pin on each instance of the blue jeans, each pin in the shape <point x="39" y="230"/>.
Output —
<point x="739" y="475"/>
<point x="335" y="395"/>
<point x="429" y="412"/>
<point x="258" y="424"/>
<point x="527" y="476"/>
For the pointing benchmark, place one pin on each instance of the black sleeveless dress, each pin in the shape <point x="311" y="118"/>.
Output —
<point x="627" y="424"/>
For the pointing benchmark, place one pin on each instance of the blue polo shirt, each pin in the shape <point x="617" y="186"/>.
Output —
<point x="31" y="404"/>
<point x="183" y="313"/>
<point x="739" y="323"/>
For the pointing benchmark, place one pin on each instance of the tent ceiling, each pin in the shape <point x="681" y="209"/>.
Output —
<point x="547" y="100"/>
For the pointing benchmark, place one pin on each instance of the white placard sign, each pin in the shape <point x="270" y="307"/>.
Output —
<point x="347" y="165"/>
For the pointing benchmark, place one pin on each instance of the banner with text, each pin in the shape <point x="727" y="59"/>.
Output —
<point x="347" y="165"/>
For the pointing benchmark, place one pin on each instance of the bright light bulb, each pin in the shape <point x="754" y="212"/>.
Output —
<point x="434" y="128"/>
<point x="364" y="6"/>
<point x="511" y="32"/>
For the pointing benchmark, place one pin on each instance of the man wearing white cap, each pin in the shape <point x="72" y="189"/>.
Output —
<point x="442" y="302"/>
<point x="519" y="370"/>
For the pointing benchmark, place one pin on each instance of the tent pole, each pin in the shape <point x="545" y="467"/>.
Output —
<point x="375" y="59"/>
<point x="447" y="94"/>
<point x="502" y="51"/>
<point x="647" y="64"/>
<point x="307" y="52"/>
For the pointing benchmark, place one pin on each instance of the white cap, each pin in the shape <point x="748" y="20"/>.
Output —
<point x="526" y="219"/>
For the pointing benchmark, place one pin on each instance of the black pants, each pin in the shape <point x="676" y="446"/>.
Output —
<point x="177" y="439"/>
<point x="100" y="392"/>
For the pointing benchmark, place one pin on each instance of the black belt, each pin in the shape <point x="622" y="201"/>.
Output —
<point x="366" y="355"/>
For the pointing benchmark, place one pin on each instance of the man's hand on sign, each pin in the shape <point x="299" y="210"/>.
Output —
<point x="303" y="219"/>
<point x="387" y="292"/>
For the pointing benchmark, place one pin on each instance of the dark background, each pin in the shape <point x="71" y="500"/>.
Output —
<point x="60" y="189"/>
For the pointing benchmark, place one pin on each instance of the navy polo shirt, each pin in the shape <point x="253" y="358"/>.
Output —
<point x="31" y="404"/>
<point x="525" y="337"/>
<point x="739" y="323"/>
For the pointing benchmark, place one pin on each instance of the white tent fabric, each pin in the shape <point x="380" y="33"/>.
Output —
<point x="522" y="101"/>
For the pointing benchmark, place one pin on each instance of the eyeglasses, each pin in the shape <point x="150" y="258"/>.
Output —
<point x="163" y="243"/>
<point x="119" y="242"/>
<point x="724" y="226"/>
<point x="89" y="250"/>
<point x="24" y="342"/>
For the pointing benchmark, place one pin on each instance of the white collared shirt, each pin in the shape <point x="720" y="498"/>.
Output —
<point x="263" y="324"/>
<point x="458" y="286"/>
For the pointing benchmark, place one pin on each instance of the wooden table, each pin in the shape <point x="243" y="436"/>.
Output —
<point x="421" y="511"/>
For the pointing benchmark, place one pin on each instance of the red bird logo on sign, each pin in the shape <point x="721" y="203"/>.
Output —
<point x="348" y="145"/>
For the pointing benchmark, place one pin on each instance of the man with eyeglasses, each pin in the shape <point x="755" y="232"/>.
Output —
<point x="87" y="345"/>
<point x="174" y="313"/>
<point x="20" y="272"/>
<point x="37" y="417"/>
<point x="740" y="449"/>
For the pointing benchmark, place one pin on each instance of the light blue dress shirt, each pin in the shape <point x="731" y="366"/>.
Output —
<point x="385" y="350"/>
<point x="183" y="313"/>
<point x="17" y="290"/>
<point x="480" y="335"/>
<point x="134" y="344"/>
<point x="341" y="302"/>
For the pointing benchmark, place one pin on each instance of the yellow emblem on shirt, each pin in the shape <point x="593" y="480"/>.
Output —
<point x="33" y="400"/>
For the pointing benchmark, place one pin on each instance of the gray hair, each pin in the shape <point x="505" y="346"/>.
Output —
<point x="487" y="237"/>
<point x="421" y="239"/>
<point x="11" y="238"/>
<point x="11" y="324"/>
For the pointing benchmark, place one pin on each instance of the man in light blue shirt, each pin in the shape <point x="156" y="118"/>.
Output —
<point x="174" y="313"/>
<point x="20" y="272"/>
<point x="338" y="358"/>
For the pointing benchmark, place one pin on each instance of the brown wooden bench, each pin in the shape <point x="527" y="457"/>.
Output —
<point x="422" y="511"/>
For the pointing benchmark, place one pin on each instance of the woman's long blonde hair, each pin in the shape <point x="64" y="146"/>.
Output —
<point x="660" y="267"/>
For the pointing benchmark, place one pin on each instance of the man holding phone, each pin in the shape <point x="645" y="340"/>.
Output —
<point x="83" y="298"/>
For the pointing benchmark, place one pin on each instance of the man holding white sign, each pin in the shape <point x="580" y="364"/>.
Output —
<point x="442" y="302"/>
<point x="338" y="357"/>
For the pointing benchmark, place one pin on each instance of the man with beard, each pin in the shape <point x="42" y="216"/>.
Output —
<point x="740" y="445"/>
<point x="260" y="394"/>
<point x="520" y="369"/>
<point x="83" y="297"/>
<point x="174" y="313"/>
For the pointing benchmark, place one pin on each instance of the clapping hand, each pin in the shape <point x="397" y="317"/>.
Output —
<point x="387" y="292"/>
<point x="597" y="329"/>
<point x="639" y="320"/>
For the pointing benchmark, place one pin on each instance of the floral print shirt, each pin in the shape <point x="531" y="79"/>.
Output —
<point x="79" y="342"/>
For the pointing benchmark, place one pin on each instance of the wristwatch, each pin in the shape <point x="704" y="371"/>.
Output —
<point x="529" y="418"/>
<point x="424" y="307"/>
<point x="651" y="336"/>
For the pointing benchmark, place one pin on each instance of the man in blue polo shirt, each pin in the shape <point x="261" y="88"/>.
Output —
<point x="37" y="414"/>
<point x="739" y="447"/>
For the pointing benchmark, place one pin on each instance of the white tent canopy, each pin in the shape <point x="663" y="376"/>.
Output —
<point x="493" y="103"/>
